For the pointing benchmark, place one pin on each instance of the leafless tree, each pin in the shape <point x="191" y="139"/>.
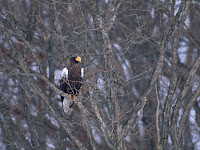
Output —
<point x="142" y="77"/>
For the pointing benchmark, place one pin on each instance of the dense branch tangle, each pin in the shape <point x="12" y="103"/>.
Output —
<point x="131" y="50"/>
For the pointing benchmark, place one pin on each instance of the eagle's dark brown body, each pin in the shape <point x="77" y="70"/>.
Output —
<point x="73" y="84"/>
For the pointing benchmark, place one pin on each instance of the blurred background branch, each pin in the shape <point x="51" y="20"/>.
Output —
<point x="142" y="74"/>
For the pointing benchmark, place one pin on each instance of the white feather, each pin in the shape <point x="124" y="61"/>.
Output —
<point x="64" y="73"/>
<point x="82" y="72"/>
<point x="65" y="105"/>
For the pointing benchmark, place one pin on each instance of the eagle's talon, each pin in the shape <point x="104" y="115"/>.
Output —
<point x="73" y="98"/>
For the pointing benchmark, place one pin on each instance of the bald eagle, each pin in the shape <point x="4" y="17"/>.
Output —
<point x="71" y="81"/>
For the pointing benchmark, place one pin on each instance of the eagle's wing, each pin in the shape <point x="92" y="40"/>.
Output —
<point x="64" y="73"/>
<point x="82" y="72"/>
<point x="63" y="84"/>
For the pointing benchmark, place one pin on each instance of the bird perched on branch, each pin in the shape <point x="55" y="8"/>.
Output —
<point x="71" y="81"/>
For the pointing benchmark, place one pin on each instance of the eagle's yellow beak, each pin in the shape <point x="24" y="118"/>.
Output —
<point x="78" y="59"/>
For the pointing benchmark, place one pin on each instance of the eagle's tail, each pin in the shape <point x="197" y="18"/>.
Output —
<point x="66" y="105"/>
